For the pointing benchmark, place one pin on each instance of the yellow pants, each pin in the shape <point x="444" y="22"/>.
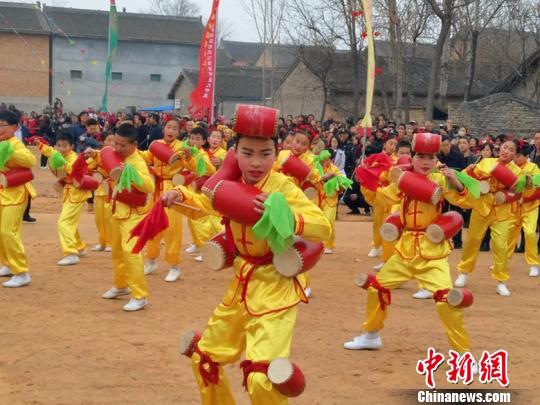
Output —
<point x="330" y="214"/>
<point x="128" y="267"/>
<point x="11" y="247"/>
<point x="203" y="229"/>
<point x="433" y="275"/>
<point x="67" y="228"/>
<point x="499" y="244"/>
<point x="173" y="240"/>
<point x="528" y="222"/>
<point x="378" y="220"/>
<point x="229" y="332"/>
<point x="103" y="215"/>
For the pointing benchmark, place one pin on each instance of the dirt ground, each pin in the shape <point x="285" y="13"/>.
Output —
<point x="63" y="344"/>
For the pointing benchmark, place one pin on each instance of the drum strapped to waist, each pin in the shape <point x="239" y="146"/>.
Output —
<point x="111" y="162"/>
<point x="229" y="170"/>
<point x="419" y="187"/>
<point x="506" y="197"/>
<point x="504" y="175"/>
<point x="218" y="253"/>
<point x="164" y="152"/>
<point x="445" y="227"/>
<point x="184" y="178"/>
<point x="234" y="200"/>
<point x="133" y="198"/>
<point x="87" y="182"/>
<point x="16" y="177"/>
<point x="392" y="228"/>
<point x="295" y="167"/>
<point x="302" y="256"/>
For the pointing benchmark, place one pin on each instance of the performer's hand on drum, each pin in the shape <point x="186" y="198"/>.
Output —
<point x="170" y="197"/>
<point x="187" y="153"/>
<point x="90" y="153"/>
<point x="259" y="202"/>
<point x="328" y="176"/>
<point x="450" y="174"/>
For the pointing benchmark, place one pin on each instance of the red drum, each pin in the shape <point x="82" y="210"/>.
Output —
<point x="188" y="342"/>
<point x="200" y="181"/>
<point x="534" y="196"/>
<point x="404" y="162"/>
<point x="184" y="178"/>
<point x="506" y="197"/>
<point x="302" y="256"/>
<point x="256" y="120"/>
<point x="98" y="176"/>
<point x="419" y="187"/>
<point x="87" y="183"/>
<point x="309" y="191"/>
<point x="16" y="177"/>
<point x="504" y="175"/>
<point x="444" y="227"/>
<point x="392" y="227"/>
<point x="286" y="377"/>
<point x="217" y="254"/>
<point x="485" y="187"/>
<point x="228" y="170"/>
<point x="294" y="167"/>
<point x="111" y="162"/>
<point x="425" y="142"/>
<point x="362" y="280"/>
<point x="235" y="200"/>
<point x="60" y="173"/>
<point x="134" y="198"/>
<point x="164" y="152"/>
<point x="460" y="297"/>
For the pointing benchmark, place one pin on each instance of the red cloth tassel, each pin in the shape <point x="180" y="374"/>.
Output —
<point x="36" y="137"/>
<point x="155" y="222"/>
<point x="369" y="172"/>
<point x="385" y="295"/>
<point x="440" y="295"/>
<point x="249" y="366"/>
<point x="79" y="168"/>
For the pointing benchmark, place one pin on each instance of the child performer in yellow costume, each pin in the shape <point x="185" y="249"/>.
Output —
<point x="128" y="267"/>
<point x="102" y="203"/>
<point x="417" y="257"/>
<point x="163" y="173"/>
<point x="13" y="201"/>
<point x="526" y="212"/>
<point x="258" y="313"/>
<point x="486" y="214"/>
<point x="61" y="159"/>
<point x="202" y="229"/>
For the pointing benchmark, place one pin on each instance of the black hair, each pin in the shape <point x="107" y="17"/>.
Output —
<point x="404" y="144"/>
<point x="486" y="143"/>
<point x="91" y="121"/>
<point x="390" y="136"/>
<point x="445" y="138"/>
<point x="9" y="116"/>
<point x="199" y="131"/>
<point x="525" y="148"/>
<point x="237" y="138"/>
<point x="155" y="116"/>
<point x="129" y="131"/>
<point x="82" y="113"/>
<point x="64" y="137"/>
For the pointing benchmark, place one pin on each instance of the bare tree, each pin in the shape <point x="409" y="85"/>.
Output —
<point x="180" y="8"/>
<point x="267" y="16"/>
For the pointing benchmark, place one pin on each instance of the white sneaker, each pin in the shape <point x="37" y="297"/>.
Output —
<point x="379" y="266"/>
<point x="328" y="251"/>
<point x="173" y="275"/>
<point x="192" y="249"/>
<point x="422" y="294"/>
<point x="18" y="280"/>
<point x="115" y="292"/>
<point x="98" y="248"/>
<point x="461" y="280"/>
<point x="150" y="266"/>
<point x="199" y="258"/>
<point x="5" y="271"/>
<point x="69" y="260"/>
<point x="82" y="253"/>
<point x="502" y="289"/>
<point x="107" y="249"/>
<point x="366" y="341"/>
<point x="135" y="304"/>
<point x="307" y="292"/>
<point x="533" y="272"/>
<point x="374" y="252"/>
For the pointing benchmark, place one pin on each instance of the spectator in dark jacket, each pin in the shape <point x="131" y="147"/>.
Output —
<point x="79" y="128"/>
<point x="45" y="131"/>
<point x="154" y="132"/>
<point x="90" y="137"/>
<point x="450" y="155"/>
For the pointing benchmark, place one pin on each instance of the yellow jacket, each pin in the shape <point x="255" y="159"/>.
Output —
<point x="219" y="152"/>
<point x="95" y="165"/>
<point x="306" y="157"/>
<point x="486" y="203"/>
<point x="529" y="168"/>
<point x="267" y="291"/>
<point x="417" y="215"/>
<point x="71" y="193"/>
<point x="22" y="157"/>
<point x="323" y="198"/>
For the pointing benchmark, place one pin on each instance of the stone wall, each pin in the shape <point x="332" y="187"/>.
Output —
<point x="499" y="113"/>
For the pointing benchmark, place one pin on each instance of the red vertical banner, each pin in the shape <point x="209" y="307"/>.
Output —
<point x="202" y="96"/>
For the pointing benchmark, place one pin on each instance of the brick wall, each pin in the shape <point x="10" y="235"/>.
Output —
<point x="499" y="113"/>
<point x="24" y="69"/>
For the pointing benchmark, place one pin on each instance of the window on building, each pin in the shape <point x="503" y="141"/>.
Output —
<point x="75" y="74"/>
<point x="155" y="78"/>
<point x="116" y="75"/>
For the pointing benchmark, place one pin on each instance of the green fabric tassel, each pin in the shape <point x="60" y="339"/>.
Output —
<point x="333" y="185"/>
<point x="470" y="183"/>
<point x="56" y="161"/>
<point x="201" y="166"/>
<point x="193" y="149"/>
<point x="536" y="180"/>
<point x="129" y="175"/>
<point x="521" y="183"/>
<point x="320" y="158"/>
<point x="276" y="224"/>
<point x="6" y="151"/>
